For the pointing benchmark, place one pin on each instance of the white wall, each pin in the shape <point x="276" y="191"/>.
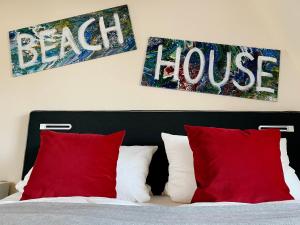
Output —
<point x="114" y="82"/>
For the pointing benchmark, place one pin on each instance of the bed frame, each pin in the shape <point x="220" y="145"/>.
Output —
<point x="145" y="127"/>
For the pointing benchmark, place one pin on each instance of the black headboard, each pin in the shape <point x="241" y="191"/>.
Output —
<point x="145" y="127"/>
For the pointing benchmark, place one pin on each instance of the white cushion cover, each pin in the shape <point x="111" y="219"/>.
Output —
<point x="181" y="184"/>
<point x="132" y="171"/>
<point x="290" y="176"/>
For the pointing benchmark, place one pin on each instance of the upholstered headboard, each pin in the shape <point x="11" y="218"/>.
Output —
<point x="145" y="127"/>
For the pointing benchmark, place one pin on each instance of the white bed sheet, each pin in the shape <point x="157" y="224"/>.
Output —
<point x="162" y="200"/>
<point x="14" y="197"/>
<point x="155" y="200"/>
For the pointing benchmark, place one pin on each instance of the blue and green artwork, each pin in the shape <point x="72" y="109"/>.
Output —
<point x="212" y="68"/>
<point x="72" y="40"/>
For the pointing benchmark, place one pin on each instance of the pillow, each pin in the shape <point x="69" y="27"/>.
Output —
<point x="290" y="176"/>
<point x="237" y="165"/>
<point x="70" y="164"/>
<point x="22" y="183"/>
<point x="283" y="153"/>
<point x="181" y="183"/>
<point x="133" y="163"/>
<point x="132" y="171"/>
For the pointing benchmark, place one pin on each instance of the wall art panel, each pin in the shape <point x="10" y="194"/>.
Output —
<point x="212" y="68"/>
<point x="72" y="40"/>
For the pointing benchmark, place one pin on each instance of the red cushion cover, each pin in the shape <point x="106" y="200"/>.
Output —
<point x="70" y="164"/>
<point x="237" y="165"/>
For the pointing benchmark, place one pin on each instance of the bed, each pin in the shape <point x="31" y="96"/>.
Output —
<point x="144" y="128"/>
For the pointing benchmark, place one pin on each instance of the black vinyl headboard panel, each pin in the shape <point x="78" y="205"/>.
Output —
<point x="145" y="127"/>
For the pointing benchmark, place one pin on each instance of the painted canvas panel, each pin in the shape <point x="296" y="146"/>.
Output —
<point x="212" y="68"/>
<point x="72" y="40"/>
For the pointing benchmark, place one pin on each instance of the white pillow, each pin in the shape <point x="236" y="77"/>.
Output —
<point x="182" y="185"/>
<point x="290" y="176"/>
<point x="132" y="171"/>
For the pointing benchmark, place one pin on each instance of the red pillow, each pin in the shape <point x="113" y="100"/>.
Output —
<point x="237" y="165"/>
<point x="70" y="164"/>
